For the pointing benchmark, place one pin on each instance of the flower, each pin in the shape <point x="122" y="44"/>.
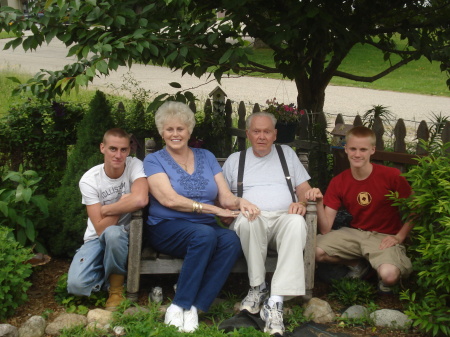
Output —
<point x="284" y="113"/>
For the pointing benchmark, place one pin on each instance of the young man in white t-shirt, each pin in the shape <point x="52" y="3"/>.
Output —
<point x="110" y="191"/>
<point x="280" y="226"/>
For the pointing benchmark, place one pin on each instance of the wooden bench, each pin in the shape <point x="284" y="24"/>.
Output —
<point x="144" y="260"/>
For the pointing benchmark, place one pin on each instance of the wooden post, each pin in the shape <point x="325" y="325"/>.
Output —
<point x="422" y="133"/>
<point x="241" y="125"/>
<point x="228" y="125"/>
<point x="378" y="128"/>
<point x="339" y="119"/>
<point x="400" y="134"/>
<point x="357" y="121"/>
<point x="445" y="136"/>
<point x="256" y="108"/>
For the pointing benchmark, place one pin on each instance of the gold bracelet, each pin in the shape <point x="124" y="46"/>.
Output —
<point x="200" y="208"/>
<point x="194" y="207"/>
<point x="303" y="203"/>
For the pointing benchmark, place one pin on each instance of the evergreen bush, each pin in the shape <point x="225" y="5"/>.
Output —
<point x="13" y="273"/>
<point x="36" y="134"/>
<point x="69" y="215"/>
<point x="429" y="209"/>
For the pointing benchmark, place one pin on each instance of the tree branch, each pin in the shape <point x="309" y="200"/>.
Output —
<point x="376" y="77"/>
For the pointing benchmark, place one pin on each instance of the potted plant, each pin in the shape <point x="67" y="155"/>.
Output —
<point x="288" y="117"/>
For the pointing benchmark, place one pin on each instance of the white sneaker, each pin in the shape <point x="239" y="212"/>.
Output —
<point x="174" y="318"/>
<point x="190" y="318"/>
<point x="254" y="300"/>
<point x="359" y="270"/>
<point x="273" y="316"/>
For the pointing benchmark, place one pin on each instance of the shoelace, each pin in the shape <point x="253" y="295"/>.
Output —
<point x="276" y="316"/>
<point x="254" y="294"/>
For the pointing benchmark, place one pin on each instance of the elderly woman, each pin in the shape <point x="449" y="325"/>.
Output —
<point x="184" y="184"/>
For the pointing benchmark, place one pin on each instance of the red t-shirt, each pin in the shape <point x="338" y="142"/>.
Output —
<point x="366" y="199"/>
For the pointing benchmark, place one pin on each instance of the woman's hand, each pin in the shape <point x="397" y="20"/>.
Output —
<point x="249" y="210"/>
<point x="227" y="213"/>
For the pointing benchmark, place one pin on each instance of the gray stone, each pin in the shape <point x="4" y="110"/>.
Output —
<point x="65" y="321"/>
<point x="8" y="330"/>
<point x="33" y="327"/>
<point x="96" y="326"/>
<point x="390" y="319"/>
<point x="100" y="316"/>
<point x="319" y="311"/>
<point x="119" y="330"/>
<point x="356" y="311"/>
<point x="135" y="310"/>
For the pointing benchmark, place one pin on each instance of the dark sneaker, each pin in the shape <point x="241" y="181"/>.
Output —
<point x="359" y="270"/>
<point x="273" y="316"/>
<point x="254" y="300"/>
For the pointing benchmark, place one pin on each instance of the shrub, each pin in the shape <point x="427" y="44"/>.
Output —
<point x="21" y="209"/>
<point x="36" y="134"/>
<point x="429" y="210"/>
<point x="69" y="215"/>
<point x="349" y="291"/>
<point x="13" y="273"/>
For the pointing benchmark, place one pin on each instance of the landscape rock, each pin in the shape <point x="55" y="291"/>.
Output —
<point x="33" y="327"/>
<point x="356" y="311"/>
<point x="319" y="310"/>
<point x="96" y="326"/>
<point x="390" y="319"/>
<point x="8" y="330"/>
<point x="65" y="321"/>
<point x="100" y="316"/>
<point x="135" y="310"/>
<point x="119" y="330"/>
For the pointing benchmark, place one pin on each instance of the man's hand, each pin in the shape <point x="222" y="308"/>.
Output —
<point x="297" y="208"/>
<point x="389" y="241"/>
<point x="314" y="194"/>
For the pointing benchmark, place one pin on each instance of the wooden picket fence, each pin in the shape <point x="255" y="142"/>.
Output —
<point x="399" y="156"/>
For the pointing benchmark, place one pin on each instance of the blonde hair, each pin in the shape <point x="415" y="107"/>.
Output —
<point x="174" y="110"/>
<point x="116" y="132"/>
<point x="362" y="132"/>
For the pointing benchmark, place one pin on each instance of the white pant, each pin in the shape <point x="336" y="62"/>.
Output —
<point x="285" y="233"/>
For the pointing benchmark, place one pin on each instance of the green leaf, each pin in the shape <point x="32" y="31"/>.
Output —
<point x="225" y="57"/>
<point x="153" y="49"/>
<point x="175" y="85"/>
<point x="26" y="194"/>
<point x="102" y="66"/>
<point x="30" y="231"/>
<point x="4" y="208"/>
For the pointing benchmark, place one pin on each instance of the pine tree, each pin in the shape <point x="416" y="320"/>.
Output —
<point x="70" y="218"/>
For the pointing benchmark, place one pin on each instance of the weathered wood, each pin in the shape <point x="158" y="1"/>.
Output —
<point x="358" y="121"/>
<point x="256" y="108"/>
<point x="400" y="134"/>
<point x="241" y="125"/>
<point x="378" y="128"/>
<point x="339" y="119"/>
<point x="395" y="157"/>
<point x="422" y="133"/>
<point x="192" y="106"/>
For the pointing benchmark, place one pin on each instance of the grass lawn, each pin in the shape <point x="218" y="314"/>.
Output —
<point x="418" y="77"/>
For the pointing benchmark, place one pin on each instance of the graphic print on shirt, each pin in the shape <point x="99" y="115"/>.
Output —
<point x="364" y="198"/>
<point x="113" y="193"/>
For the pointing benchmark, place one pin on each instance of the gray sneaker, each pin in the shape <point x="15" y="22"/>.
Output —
<point x="273" y="316"/>
<point x="359" y="270"/>
<point x="254" y="300"/>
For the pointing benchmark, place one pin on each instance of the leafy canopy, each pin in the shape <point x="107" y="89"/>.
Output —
<point x="309" y="39"/>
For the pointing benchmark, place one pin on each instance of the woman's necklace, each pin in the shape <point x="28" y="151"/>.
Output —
<point x="183" y="165"/>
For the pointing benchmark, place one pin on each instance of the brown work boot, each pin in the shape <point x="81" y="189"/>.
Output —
<point x="115" y="292"/>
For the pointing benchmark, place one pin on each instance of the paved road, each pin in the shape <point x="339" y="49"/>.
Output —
<point x="346" y="100"/>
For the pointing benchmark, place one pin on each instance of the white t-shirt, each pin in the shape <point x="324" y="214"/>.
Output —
<point x="96" y="187"/>
<point x="264" y="181"/>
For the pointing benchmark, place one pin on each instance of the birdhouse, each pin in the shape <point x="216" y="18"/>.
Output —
<point x="218" y="98"/>
<point x="339" y="132"/>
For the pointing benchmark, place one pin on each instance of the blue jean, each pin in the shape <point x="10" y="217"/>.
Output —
<point x="96" y="260"/>
<point x="209" y="253"/>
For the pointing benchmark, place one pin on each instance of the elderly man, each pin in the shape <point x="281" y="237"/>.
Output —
<point x="275" y="181"/>
<point x="110" y="191"/>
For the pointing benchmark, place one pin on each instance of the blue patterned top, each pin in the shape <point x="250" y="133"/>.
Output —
<point x="199" y="186"/>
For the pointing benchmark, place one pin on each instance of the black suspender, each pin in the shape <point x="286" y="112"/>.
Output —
<point x="240" y="182"/>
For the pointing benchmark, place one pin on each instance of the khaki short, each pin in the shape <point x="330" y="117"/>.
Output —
<point x="351" y="243"/>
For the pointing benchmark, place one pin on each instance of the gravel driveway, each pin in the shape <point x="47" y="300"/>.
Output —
<point x="346" y="100"/>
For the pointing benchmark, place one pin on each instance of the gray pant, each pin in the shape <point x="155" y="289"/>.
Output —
<point x="285" y="233"/>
